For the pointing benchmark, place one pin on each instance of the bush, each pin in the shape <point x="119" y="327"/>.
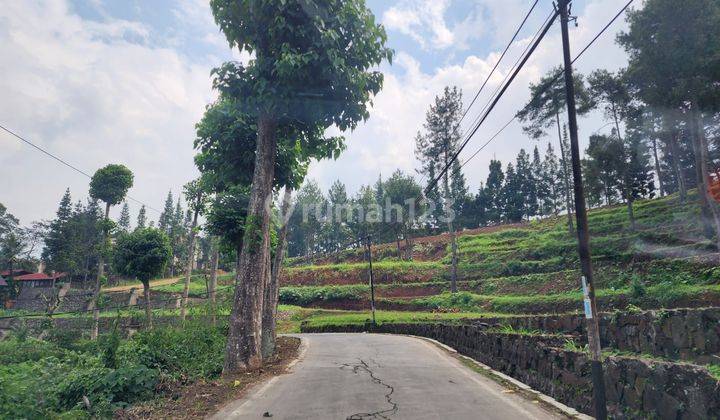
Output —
<point x="181" y="353"/>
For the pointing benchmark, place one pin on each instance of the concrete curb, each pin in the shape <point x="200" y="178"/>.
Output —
<point x="568" y="411"/>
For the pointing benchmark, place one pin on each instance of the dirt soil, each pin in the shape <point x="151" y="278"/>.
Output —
<point x="201" y="399"/>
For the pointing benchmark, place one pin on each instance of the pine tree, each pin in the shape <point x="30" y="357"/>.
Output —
<point x="435" y="149"/>
<point x="479" y="207"/>
<point x="58" y="251"/>
<point x="141" y="217"/>
<point x="337" y="200"/>
<point x="552" y="183"/>
<point x="166" y="217"/>
<point x="527" y="185"/>
<point x="124" y="220"/>
<point x="494" y="192"/>
<point x="512" y="196"/>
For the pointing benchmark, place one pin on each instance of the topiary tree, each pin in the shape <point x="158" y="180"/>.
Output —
<point x="109" y="185"/>
<point x="143" y="254"/>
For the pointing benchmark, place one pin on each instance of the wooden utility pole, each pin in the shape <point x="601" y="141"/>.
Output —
<point x="368" y="247"/>
<point x="591" y="314"/>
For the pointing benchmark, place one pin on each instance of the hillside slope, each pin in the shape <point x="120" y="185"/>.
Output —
<point x="530" y="267"/>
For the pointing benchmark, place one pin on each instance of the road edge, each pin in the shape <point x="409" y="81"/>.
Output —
<point x="233" y="406"/>
<point x="504" y="379"/>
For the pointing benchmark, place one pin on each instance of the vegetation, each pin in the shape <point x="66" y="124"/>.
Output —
<point x="143" y="254"/>
<point x="63" y="377"/>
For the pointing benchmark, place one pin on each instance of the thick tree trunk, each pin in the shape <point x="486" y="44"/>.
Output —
<point x="272" y="290"/>
<point x="100" y="273"/>
<point x="243" y="349"/>
<point x="628" y="181"/>
<point x="658" y="171"/>
<point x="399" y="248"/>
<point x="566" y="178"/>
<point x="408" y="246"/>
<point x="212" y="288"/>
<point x="148" y="305"/>
<point x="701" y="172"/>
<point x="675" y="150"/>
<point x="710" y="211"/>
<point x="188" y="266"/>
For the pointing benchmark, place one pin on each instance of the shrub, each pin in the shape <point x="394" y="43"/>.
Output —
<point x="181" y="353"/>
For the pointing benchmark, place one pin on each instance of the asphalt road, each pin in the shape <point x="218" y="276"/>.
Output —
<point x="371" y="376"/>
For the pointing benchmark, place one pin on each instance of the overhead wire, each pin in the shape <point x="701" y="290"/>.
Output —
<point x="495" y="100"/>
<point x="64" y="162"/>
<point x="554" y="79"/>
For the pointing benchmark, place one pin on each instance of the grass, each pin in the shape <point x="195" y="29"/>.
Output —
<point x="385" y="265"/>
<point x="361" y="317"/>
<point x="714" y="371"/>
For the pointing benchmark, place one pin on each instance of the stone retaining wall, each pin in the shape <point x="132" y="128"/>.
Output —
<point x="635" y="388"/>
<point x="686" y="334"/>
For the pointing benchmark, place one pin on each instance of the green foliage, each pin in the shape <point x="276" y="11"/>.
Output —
<point x="312" y="60"/>
<point x="714" y="370"/>
<point x="195" y="351"/>
<point x="308" y="295"/>
<point x="143" y="253"/>
<point x="111" y="183"/>
<point x="41" y="379"/>
<point x="637" y="288"/>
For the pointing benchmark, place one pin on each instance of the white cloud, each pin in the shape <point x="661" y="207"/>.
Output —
<point x="386" y="142"/>
<point x="85" y="91"/>
<point x="421" y="20"/>
<point x="97" y="93"/>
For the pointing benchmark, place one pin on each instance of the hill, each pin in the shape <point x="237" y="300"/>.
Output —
<point x="528" y="268"/>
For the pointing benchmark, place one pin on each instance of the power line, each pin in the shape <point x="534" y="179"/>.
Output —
<point x="499" y="86"/>
<point x="507" y="47"/>
<point x="557" y="76"/>
<point x="488" y="142"/>
<point x="74" y="168"/>
<point x="495" y="101"/>
<point x="515" y="64"/>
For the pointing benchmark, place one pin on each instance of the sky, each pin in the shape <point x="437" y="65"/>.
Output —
<point x="125" y="81"/>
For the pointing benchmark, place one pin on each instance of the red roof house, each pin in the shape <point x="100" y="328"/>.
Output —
<point x="16" y="272"/>
<point x="39" y="279"/>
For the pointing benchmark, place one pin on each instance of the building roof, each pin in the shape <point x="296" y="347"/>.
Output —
<point x="16" y="272"/>
<point x="39" y="276"/>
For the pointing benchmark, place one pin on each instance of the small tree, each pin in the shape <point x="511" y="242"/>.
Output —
<point x="143" y="254"/>
<point x="196" y="199"/>
<point x="109" y="185"/>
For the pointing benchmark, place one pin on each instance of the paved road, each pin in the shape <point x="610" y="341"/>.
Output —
<point x="371" y="376"/>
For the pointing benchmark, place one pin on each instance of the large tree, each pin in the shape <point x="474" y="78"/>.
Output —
<point x="110" y="185"/>
<point x="435" y="148"/>
<point x="547" y="102"/>
<point x="610" y="90"/>
<point x="311" y="70"/>
<point x="674" y="64"/>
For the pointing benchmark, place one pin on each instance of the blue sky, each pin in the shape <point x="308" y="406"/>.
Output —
<point x="101" y="81"/>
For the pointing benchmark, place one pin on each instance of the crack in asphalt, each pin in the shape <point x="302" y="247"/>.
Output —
<point x="383" y="414"/>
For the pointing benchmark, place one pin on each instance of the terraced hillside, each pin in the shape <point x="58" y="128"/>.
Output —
<point x="528" y="268"/>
